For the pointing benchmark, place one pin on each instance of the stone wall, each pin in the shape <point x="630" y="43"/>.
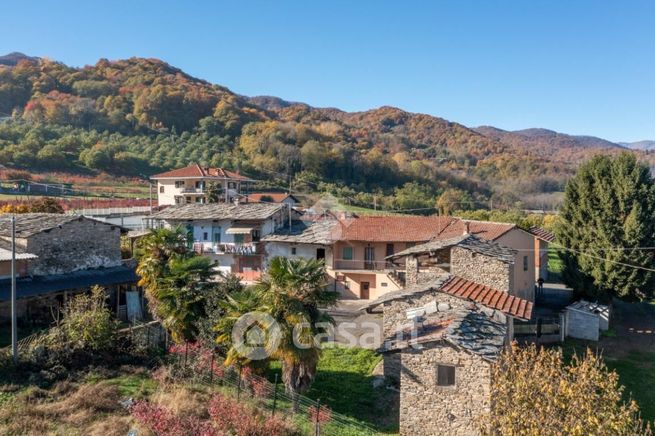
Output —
<point x="395" y="316"/>
<point x="428" y="409"/>
<point x="482" y="269"/>
<point x="76" y="245"/>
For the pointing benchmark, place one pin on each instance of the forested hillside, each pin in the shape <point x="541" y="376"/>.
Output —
<point x="139" y="116"/>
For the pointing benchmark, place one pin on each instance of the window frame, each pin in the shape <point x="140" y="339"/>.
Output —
<point x="451" y="379"/>
<point x="343" y="253"/>
<point x="526" y="263"/>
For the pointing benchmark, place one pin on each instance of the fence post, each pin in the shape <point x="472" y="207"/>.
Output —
<point x="317" y="424"/>
<point x="211" y="369"/>
<point x="274" y="396"/>
<point x="239" y="384"/>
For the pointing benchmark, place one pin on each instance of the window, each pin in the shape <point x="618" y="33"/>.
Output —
<point x="390" y="250"/>
<point x="161" y="189"/>
<point x="179" y="184"/>
<point x="293" y="250"/>
<point x="205" y="236"/>
<point x="231" y="185"/>
<point x="525" y="263"/>
<point x="347" y="253"/>
<point x="256" y="236"/>
<point x="445" y="375"/>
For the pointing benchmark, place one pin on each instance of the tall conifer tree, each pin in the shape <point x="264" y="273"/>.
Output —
<point x="607" y="225"/>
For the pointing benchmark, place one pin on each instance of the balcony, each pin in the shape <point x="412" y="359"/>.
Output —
<point x="363" y="265"/>
<point x="241" y="249"/>
<point x="198" y="191"/>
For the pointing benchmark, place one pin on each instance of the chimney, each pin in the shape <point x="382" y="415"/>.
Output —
<point x="466" y="228"/>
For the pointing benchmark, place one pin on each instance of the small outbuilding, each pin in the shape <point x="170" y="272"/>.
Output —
<point x="585" y="320"/>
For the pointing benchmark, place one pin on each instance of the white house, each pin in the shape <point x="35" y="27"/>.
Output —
<point x="306" y="240"/>
<point x="231" y="234"/>
<point x="189" y="184"/>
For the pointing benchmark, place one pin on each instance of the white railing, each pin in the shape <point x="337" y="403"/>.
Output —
<point x="225" y="248"/>
<point x="110" y="211"/>
<point x="371" y="265"/>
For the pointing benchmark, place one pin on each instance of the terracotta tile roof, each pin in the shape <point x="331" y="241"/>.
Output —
<point x="195" y="170"/>
<point x="484" y="229"/>
<point x="542" y="234"/>
<point x="488" y="296"/>
<point x="278" y="197"/>
<point x="395" y="228"/>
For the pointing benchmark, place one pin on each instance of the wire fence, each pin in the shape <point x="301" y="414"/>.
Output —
<point x="312" y="417"/>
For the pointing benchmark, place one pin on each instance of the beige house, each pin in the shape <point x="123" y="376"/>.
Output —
<point x="542" y="239"/>
<point x="362" y="245"/>
<point x="189" y="185"/>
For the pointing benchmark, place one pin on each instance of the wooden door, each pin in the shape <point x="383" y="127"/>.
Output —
<point x="364" y="288"/>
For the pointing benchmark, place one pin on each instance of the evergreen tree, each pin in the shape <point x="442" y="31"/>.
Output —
<point x="608" y="218"/>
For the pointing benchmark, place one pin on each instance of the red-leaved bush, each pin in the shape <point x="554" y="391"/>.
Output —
<point x="244" y="421"/>
<point x="164" y="423"/>
<point x="227" y="416"/>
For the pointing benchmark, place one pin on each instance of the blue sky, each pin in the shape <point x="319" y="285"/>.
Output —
<point x="581" y="67"/>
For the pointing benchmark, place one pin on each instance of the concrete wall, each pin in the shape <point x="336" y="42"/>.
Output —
<point x="582" y="325"/>
<point x="523" y="278"/>
<point x="76" y="245"/>
<point x="428" y="409"/>
<point x="482" y="269"/>
<point x="303" y="251"/>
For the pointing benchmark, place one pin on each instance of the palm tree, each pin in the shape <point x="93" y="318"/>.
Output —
<point x="293" y="292"/>
<point x="175" y="279"/>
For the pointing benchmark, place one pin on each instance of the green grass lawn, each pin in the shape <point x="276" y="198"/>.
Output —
<point x="555" y="265"/>
<point x="344" y="383"/>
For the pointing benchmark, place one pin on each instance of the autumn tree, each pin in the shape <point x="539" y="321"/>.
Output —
<point x="535" y="392"/>
<point x="607" y="224"/>
<point x="454" y="199"/>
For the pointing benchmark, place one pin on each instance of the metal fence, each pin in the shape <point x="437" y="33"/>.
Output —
<point x="311" y="416"/>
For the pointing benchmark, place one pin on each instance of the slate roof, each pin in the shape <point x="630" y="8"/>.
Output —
<point x="542" y="234"/>
<point x="197" y="171"/>
<point x="28" y="224"/>
<point x="471" y="330"/>
<point x="303" y="232"/>
<point x="218" y="211"/>
<point x="477" y="333"/>
<point x="469" y="242"/>
<point x="466" y="290"/>
<point x="33" y="287"/>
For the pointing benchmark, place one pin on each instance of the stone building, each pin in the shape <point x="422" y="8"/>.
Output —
<point x="443" y="331"/>
<point x="60" y="255"/>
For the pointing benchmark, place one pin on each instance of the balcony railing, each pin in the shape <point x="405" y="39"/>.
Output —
<point x="193" y="190"/>
<point x="370" y="265"/>
<point x="246" y="248"/>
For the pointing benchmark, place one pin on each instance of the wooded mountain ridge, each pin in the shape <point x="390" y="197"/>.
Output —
<point x="138" y="116"/>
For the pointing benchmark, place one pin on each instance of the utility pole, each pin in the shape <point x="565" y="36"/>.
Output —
<point x="150" y="195"/>
<point x="14" y="328"/>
